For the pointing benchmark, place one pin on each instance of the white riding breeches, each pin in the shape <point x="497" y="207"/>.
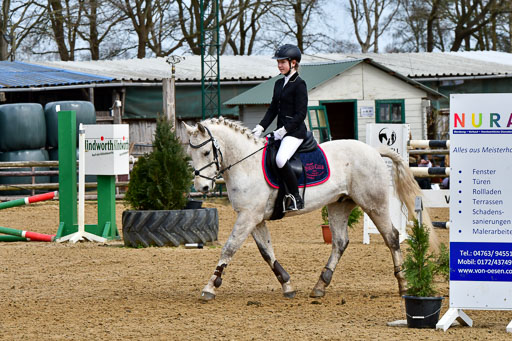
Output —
<point x="289" y="145"/>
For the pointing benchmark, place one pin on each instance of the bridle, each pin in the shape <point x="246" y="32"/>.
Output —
<point x="216" y="152"/>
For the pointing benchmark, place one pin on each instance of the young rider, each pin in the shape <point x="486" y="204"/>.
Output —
<point x="289" y="104"/>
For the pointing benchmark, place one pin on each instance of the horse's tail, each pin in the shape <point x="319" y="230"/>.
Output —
<point x="407" y="190"/>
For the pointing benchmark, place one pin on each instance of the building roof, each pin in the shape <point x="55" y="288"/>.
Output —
<point x="242" y="68"/>
<point x="22" y="75"/>
<point x="315" y="75"/>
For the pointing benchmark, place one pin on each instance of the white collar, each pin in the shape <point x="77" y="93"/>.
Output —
<point x="287" y="78"/>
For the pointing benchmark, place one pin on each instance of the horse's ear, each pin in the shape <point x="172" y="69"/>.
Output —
<point x="201" y="128"/>
<point x="190" y="130"/>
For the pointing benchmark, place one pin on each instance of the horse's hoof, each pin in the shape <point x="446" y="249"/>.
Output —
<point x="290" y="294"/>
<point x="207" y="296"/>
<point x="316" y="293"/>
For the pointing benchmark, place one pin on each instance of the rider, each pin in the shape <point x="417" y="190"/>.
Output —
<point x="289" y="104"/>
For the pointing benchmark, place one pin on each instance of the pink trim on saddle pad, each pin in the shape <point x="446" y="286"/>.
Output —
<point x="300" y="186"/>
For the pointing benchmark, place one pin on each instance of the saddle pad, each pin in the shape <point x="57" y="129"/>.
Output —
<point x="315" y="165"/>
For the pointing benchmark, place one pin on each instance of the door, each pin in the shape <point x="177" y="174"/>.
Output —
<point x="318" y="123"/>
<point x="342" y="119"/>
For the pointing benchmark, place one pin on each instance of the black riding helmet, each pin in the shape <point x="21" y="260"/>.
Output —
<point x="288" y="51"/>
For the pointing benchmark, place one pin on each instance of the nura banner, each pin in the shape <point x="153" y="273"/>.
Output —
<point x="481" y="201"/>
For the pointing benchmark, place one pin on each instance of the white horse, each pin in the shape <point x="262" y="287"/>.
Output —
<point x="359" y="177"/>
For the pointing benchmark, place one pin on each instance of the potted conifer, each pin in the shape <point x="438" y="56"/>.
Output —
<point x="422" y="306"/>
<point x="158" y="192"/>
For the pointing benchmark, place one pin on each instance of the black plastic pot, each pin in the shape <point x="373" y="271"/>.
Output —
<point x="193" y="204"/>
<point x="422" y="312"/>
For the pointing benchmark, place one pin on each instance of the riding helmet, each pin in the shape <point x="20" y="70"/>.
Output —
<point x="288" y="51"/>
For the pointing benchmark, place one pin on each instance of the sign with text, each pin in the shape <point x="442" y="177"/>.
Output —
<point x="481" y="192"/>
<point x="106" y="149"/>
<point x="393" y="136"/>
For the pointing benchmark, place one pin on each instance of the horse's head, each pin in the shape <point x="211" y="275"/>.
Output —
<point x="206" y="156"/>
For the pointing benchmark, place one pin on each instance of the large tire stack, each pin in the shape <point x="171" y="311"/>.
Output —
<point x="29" y="133"/>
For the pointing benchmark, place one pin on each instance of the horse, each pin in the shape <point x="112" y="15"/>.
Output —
<point x="359" y="177"/>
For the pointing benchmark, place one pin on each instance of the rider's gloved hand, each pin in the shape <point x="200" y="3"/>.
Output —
<point x="279" y="133"/>
<point x="257" y="131"/>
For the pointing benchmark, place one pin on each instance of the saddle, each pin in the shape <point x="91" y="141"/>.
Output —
<point x="308" y="163"/>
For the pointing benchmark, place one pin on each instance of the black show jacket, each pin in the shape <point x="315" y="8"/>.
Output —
<point x="290" y="105"/>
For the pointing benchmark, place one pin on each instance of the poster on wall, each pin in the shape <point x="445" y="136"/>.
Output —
<point x="480" y="205"/>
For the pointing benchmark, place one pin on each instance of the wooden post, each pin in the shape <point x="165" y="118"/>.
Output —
<point x="168" y="98"/>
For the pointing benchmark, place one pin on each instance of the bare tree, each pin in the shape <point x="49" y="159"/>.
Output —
<point x="370" y="21"/>
<point x="65" y="18"/>
<point x="17" y="21"/>
<point x="470" y="16"/>
<point x="241" y="24"/>
<point x="99" y="22"/>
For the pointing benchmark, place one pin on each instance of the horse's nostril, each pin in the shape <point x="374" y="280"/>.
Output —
<point x="205" y="188"/>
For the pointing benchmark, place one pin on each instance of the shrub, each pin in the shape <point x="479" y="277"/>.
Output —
<point x="419" y="266"/>
<point x="161" y="180"/>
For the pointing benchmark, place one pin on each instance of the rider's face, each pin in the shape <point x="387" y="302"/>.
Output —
<point x="284" y="66"/>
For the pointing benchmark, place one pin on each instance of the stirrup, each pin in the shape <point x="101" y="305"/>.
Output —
<point x="294" y="204"/>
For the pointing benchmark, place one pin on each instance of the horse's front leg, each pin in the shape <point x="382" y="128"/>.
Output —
<point x="261" y="236"/>
<point x="245" y="223"/>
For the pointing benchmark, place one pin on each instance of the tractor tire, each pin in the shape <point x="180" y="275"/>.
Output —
<point x="170" y="227"/>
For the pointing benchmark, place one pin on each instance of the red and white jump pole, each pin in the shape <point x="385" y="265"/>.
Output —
<point x="40" y="237"/>
<point x="28" y="200"/>
<point x="20" y="235"/>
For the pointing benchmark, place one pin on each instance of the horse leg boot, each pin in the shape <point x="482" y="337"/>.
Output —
<point x="261" y="236"/>
<point x="244" y="225"/>
<point x="338" y="217"/>
<point x="292" y="198"/>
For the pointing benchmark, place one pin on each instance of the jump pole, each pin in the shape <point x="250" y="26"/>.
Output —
<point x="28" y="200"/>
<point x="27" y="234"/>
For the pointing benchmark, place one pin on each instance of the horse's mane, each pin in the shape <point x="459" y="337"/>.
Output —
<point x="237" y="126"/>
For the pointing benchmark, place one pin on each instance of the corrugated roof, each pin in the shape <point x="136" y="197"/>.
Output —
<point x="155" y="69"/>
<point x="315" y="75"/>
<point x="412" y="65"/>
<point x="21" y="75"/>
<point x="435" y="64"/>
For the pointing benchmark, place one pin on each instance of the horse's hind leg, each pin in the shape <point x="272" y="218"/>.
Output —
<point x="382" y="221"/>
<point x="261" y="236"/>
<point x="338" y="219"/>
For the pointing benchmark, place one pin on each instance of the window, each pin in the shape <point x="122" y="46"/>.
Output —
<point x="390" y="111"/>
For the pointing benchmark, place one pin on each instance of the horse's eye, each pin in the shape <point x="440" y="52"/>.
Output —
<point x="206" y="153"/>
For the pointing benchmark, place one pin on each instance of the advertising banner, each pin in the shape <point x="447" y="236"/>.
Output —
<point x="106" y="149"/>
<point x="481" y="199"/>
<point x="395" y="137"/>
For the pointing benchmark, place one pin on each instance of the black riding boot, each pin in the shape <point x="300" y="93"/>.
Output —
<point x="292" y="200"/>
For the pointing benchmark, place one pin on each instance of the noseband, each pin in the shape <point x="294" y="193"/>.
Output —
<point x="216" y="151"/>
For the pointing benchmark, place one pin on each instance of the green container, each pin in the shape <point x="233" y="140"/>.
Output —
<point x="22" y="126"/>
<point x="85" y="113"/>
